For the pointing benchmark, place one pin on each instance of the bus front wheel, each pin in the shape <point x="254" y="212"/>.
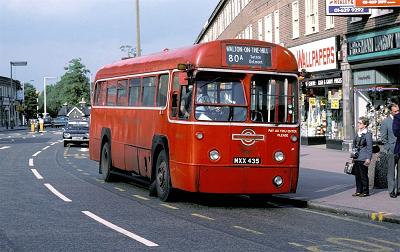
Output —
<point x="105" y="163"/>
<point x="163" y="179"/>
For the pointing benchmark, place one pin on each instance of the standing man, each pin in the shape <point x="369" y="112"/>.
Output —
<point x="396" y="132"/>
<point x="389" y="141"/>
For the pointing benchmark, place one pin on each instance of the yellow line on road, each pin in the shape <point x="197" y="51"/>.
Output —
<point x="140" y="197"/>
<point x="202" y="216"/>
<point x="169" y="206"/>
<point x="248" y="230"/>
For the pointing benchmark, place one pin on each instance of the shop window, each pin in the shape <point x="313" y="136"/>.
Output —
<point x="311" y="9"/>
<point x="268" y="28"/>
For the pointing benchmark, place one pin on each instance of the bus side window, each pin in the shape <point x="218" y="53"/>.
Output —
<point x="175" y="95"/>
<point x="134" y="88"/>
<point x="100" y="93"/>
<point x="122" y="95"/>
<point x="111" y="94"/>
<point x="162" y="90"/>
<point x="148" y="91"/>
<point x="186" y="102"/>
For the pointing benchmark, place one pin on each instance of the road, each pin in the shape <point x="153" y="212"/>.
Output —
<point x="53" y="199"/>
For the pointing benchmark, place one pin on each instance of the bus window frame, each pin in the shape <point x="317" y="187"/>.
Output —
<point x="154" y="77"/>
<point x="158" y="90"/>
<point x="111" y="84"/>
<point x="122" y="83"/>
<point x="136" y="102"/>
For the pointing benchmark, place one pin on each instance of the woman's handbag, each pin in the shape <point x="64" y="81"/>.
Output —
<point x="349" y="168"/>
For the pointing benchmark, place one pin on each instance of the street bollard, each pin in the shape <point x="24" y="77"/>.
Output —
<point x="41" y="126"/>
<point x="32" y="127"/>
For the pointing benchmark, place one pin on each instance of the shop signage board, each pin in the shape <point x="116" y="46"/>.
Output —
<point x="374" y="44"/>
<point x="316" y="56"/>
<point x="377" y="3"/>
<point x="345" y="8"/>
<point x="324" y="82"/>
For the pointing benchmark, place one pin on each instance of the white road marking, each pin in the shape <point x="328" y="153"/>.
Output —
<point x="53" y="143"/>
<point x="119" y="189"/>
<point x="57" y="193"/>
<point x="140" y="197"/>
<point x="37" y="153"/>
<point x="202" y="216"/>
<point x="5" y="147"/>
<point x="36" y="173"/>
<point x="120" y="230"/>
<point x="169" y="206"/>
<point x="31" y="162"/>
<point x="46" y="147"/>
<point x="84" y="149"/>
<point x="248" y="230"/>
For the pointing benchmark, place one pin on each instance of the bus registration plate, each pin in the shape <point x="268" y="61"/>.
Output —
<point x="247" y="160"/>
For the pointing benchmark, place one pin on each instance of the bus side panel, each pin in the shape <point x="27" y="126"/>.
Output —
<point x="97" y="121"/>
<point x="144" y="161"/>
<point x="118" y="135"/>
<point x="131" y="162"/>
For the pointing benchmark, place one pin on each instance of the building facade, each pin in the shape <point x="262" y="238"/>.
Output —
<point x="9" y="105"/>
<point x="320" y="44"/>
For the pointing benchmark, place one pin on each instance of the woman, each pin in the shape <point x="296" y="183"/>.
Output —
<point x="363" y="143"/>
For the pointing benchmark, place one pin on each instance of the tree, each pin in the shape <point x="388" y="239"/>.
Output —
<point x="30" y="101"/>
<point x="73" y="86"/>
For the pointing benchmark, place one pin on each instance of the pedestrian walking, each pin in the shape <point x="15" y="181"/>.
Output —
<point x="389" y="143"/>
<point x="362" y="157"/>
<point x="396" y="132"/>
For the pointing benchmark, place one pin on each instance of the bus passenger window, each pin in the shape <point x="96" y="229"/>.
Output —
<point x="162" y="90"/>
<point x="111" y="95"/>
<point x="148" y="91"/>
<point x="134" y="88"/>
<point x="100" y="93"/>
<point x="122" y="95"/>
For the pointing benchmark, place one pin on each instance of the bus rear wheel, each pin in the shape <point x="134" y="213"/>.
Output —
<point x="105" y="163"/>
<point x="163" y="180"/>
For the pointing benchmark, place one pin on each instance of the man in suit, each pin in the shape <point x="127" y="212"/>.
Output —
<point x="391" y="141"/>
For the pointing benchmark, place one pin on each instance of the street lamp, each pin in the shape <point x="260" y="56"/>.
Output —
<point x="44" y="94"/>
<point x="14" y="63"/>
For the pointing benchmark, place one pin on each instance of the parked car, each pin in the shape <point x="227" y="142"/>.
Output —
<point x="59" y="121"/>
<point x="47" y="121"/>
<point x="76" y="132"/>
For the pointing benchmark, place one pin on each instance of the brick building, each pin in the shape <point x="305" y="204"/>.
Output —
<point x="320" y="43"/>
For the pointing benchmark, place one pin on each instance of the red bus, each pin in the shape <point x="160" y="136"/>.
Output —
<point x="216" y="117"/>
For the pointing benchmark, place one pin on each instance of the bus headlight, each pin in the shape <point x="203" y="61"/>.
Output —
<point x="199" y="135"/>
<point x="277" y="181"/>
<point x="67" y="135"/>
<point x="279" y="156"/>
<point x="293" y="138"/>
<point x="214" y="155"/>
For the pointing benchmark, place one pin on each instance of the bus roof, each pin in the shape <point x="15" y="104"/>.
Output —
<point x="205" y="55"/>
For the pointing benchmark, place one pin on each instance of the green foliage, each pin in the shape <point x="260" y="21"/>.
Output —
<point x="73" y="86"/>
<point x="30" y="101"/>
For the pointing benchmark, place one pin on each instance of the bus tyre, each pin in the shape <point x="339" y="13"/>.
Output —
<point x="105" y="162"/>
<point x="163" y="179"/>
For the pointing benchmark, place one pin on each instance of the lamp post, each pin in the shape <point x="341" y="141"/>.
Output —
<point x="44" y="94"/>
<point x="14" y="94"/>
<point x="138" y="49"/>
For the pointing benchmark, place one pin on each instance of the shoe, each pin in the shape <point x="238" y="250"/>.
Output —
<point x="393" y="195"/>
<point x="356" y="194"/>
<point x="363" y="195"/>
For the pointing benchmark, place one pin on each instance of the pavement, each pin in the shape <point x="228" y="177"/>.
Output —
<point x="324" y="186"/>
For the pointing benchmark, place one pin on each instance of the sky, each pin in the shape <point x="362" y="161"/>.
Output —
<point x="49" y="33"/>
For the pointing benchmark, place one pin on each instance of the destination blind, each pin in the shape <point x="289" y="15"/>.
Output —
<point x="248" y="55"/>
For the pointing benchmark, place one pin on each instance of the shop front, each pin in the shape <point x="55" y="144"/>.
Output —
<point x="322" y="93"/>
<point x="375" y="64"/>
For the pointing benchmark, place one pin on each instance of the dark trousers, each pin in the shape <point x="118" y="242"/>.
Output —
<point x="361" y="174"/>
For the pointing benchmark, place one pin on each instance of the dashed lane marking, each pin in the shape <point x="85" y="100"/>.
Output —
<point x="248" y="230"/>
<point x="30" y="162"/>
<point x="37" y="174"/>
<point x="120" y="230"/>
<point x="169" y="206"/>
<point x="45" y="148"/>
<point x="79" y="170"/>
<point x="5" y="147"/>
<point x="119" y="189"/>
<point x="140" y="197"/>
<point x="57" y="193"/>
<point x="202" y="216"/>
